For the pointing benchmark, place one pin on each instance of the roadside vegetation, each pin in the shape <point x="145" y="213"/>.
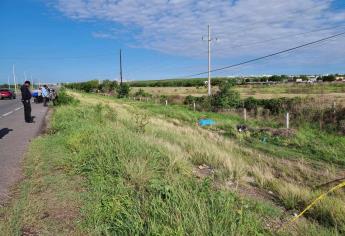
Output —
<point x="199" y="82"/>
<point x="122" y="167"/>
<point x="145" y="167"/>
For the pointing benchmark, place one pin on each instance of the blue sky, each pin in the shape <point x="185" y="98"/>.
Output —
<point x="77" y="40"/>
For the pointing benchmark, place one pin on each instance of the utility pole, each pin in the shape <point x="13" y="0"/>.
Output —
<point x="209" y="60"/>
<point x="209" y="41"/>
<point x="14" y="80"/>
<point x="120" y="67"/>
<point x="8" y="81"/>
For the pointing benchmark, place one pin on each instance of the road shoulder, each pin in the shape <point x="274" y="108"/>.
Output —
<point x="14" y="142"/>
<point x="47" y="200"/>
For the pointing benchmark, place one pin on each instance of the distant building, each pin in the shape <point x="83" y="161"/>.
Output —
<point x="340" y="78"/>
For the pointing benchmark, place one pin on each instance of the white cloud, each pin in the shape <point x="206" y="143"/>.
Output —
<point x="242" y="26"/>
<point x="102" y="35"/>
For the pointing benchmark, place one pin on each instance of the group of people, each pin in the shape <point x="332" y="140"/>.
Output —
<point x="44" y="94"/>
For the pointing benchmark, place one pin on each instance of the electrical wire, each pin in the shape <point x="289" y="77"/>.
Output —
<point x="270" y="55"/>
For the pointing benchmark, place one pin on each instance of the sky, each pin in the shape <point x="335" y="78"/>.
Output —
<point x="79" y="40"/>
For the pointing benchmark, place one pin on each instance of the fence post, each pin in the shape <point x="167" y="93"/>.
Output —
<point x="245" y="114"/>
<point x="194" y="106"/>
<point x="166" y="102"/>
<point x="287" y="120"/>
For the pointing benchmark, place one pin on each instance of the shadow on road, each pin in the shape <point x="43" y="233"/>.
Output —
<point x="4" y="132"/>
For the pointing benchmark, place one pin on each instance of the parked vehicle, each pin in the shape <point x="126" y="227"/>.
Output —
<point x="37" y="96"/>
<point x="6" y="93"/>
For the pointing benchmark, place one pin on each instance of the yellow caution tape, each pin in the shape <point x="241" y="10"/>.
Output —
<point x="341" y="185"/>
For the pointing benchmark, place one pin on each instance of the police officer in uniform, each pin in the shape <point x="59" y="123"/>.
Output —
<point x="26" y="96"/>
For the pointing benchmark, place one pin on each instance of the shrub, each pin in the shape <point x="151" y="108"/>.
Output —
<point x="107" y="86"/>
<point x="227" y="97"/>
<point x="123" y="90"/>
<point x="250" y="103"/>
<point x="189" y="100"/>
<point x="142" y="93"/>
<point x="64" y="99"/>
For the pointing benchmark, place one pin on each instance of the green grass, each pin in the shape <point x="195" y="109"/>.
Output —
<point x="137" y="165"/>
<point x="46" y="202"/>
<point x="136" y="188"/>
<point x="308" y="143"/>
<point x="293" y="88"/>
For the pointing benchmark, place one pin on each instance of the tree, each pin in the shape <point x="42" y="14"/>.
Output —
<point x="226" y="97"/>
<point x="123" y="90"/>
<point x="108" y="86"/>
<point x="329" y="78"/>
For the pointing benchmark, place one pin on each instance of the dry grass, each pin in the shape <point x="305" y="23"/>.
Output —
<point x="51" y="199"/>
<point x="290" y="181"/>
<point x="259" y="91"/>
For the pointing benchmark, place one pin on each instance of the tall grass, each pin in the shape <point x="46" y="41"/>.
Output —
<point x="137" y="187"/>
<point x="185" y="146"/>
<point x="144" y="180"/>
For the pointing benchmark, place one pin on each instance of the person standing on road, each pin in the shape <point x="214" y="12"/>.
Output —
<point x="45" y="95"/>
<point x="26" y="97"/>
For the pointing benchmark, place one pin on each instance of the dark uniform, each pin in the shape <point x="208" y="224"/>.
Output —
<point x="26" y="96"/>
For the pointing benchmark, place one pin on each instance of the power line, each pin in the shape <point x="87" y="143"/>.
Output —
<point x="270" y="55"/>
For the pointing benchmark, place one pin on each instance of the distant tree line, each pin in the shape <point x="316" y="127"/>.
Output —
<point x="105" y="86"/>
<point x="199" y="82"/>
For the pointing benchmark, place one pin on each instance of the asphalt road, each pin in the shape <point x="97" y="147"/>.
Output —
<point x="9" y="106"/>
<point x="15" y="136"/>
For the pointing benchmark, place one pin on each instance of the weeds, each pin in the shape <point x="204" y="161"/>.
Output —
<point x="141" y="121"/>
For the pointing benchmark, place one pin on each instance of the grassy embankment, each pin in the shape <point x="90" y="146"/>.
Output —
<point x="133" y="168"/>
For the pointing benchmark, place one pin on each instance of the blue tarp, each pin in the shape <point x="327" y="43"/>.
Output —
<point x="206" y="122"/>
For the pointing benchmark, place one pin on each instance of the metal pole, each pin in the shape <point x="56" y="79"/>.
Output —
<point x="8" y="81"/>
<point x="14" y="80"/>
<point x="209" y="60"/>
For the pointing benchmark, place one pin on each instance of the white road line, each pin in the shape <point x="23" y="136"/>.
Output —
<point x="9" y="113"/>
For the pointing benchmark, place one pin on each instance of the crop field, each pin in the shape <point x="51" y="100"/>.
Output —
<point x="123" y="167"/>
